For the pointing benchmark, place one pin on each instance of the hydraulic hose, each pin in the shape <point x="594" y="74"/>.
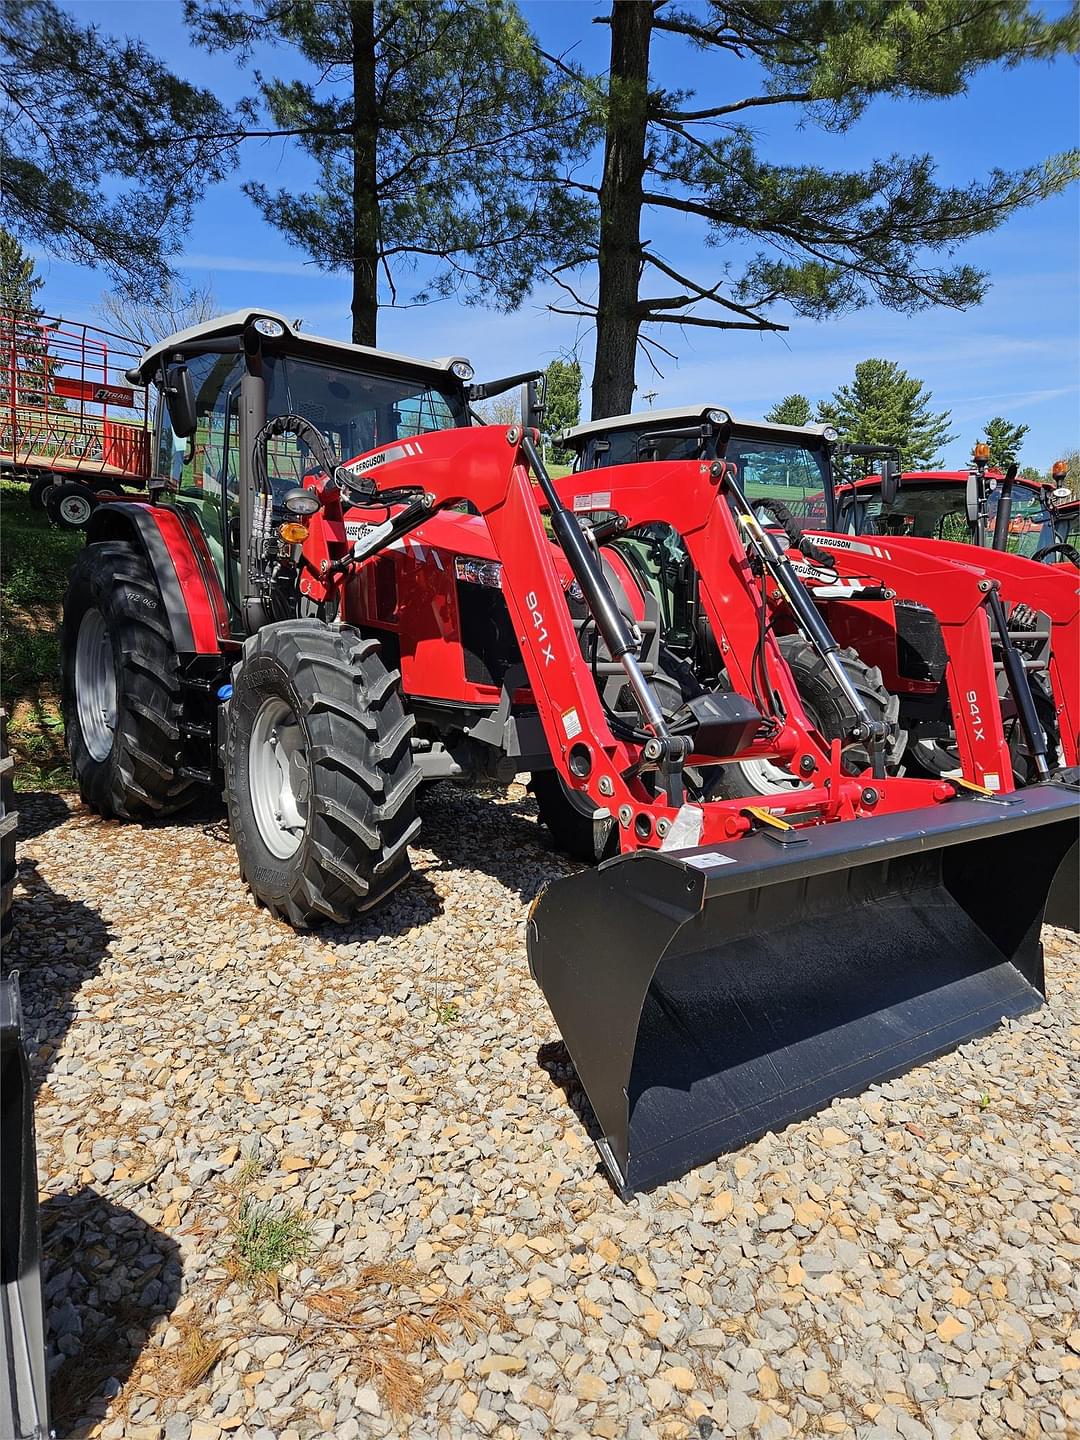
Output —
<point x="1019" y="688"/>
<point x="813" y="626"/>
<point x="619" y="637"/>
<point x="797" y="537"/>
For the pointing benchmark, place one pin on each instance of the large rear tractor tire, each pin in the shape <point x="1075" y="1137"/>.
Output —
<point x="121" y="687"/>
<point x="319" y="773"/>
<point x="829" y="711"/>
<point x="9" y="821"/>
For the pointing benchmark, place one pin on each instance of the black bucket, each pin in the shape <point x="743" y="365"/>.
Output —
<point x="706" y="996"/>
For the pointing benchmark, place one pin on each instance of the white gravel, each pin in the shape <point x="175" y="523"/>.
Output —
<point x="904" y="1264"/>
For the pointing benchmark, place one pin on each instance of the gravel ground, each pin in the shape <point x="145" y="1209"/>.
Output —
<point x="385" y="1107"/>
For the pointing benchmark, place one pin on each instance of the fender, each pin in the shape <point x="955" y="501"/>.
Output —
<point x="195" y="608"/>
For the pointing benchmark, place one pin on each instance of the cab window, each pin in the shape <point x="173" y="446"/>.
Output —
<point x="772" y="470"/>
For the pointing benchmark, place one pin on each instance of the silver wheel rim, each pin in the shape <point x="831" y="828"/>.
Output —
<point x="75" y="509"/>
<point x="278" y="777"/>
<point x="95" y="685"/>
<point x="766" y="777"/>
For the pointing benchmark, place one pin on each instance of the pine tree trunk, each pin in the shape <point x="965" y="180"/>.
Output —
<point x="617" y="319"/>
<point x="365" y="197"/>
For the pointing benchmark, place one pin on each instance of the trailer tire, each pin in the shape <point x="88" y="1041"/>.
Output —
<point x="319" y="773"/>
<point x="828" y="710"/>
<point x="70" y="504"/>
<point x="121" y="687"/>
<point x="9" y="821"/>
<point x="38" y="486"/>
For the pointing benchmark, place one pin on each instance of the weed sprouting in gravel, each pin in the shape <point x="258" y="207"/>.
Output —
<point x="447" y="1013"/>
<point x="265" y="1240"/>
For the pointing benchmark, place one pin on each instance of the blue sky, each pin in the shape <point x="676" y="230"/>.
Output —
<point x="1017" y="354"/>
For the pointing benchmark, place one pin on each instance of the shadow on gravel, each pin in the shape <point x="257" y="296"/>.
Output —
<point x="56" y="944"/>
<point x="468" y="831"/>
<point x="39" y="812"/>
<point x="554" y="1058"/>
<point x="109" y="1278"/>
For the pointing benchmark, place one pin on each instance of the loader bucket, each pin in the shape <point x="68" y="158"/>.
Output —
<point x="708" y="995"/>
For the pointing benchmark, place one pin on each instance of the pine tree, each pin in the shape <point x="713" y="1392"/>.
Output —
<point x="884" y="405"/>
<point x="1005" y="440"/>
<point x="103" y="151"/>
<point x="562" y="401"/>
<point x="815" y="241"/>
<point x="792" y="410"/>
<point x="20" y="336"/>
<point x="431" y="124"/>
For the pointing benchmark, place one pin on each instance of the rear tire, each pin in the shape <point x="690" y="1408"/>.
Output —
<point x="121" y="687"/>
<point x="829" y="712"/>
<point x="9" y="821"/>
<point x="319" y="774"/>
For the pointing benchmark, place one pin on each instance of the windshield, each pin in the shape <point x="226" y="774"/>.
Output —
<point x="771" y="470"/>
<point x="939" y="512"/>
<point x="627" y="447"/>
<point x="356" y="412"/>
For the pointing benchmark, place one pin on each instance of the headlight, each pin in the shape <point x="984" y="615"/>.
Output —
<point x="717" y="417"/>
<point x="300" y="501"/>
<point x="478" y="572"/>
<point x="829" y="433"/>
<point x="270" y="328"/>
<point x="462" y="369"/>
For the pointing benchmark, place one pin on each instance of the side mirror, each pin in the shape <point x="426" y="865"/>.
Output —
<point x="532" y="402"/>
<point x="180" y="401"/>
<point x="972" y="496"/>
<point x="890" y="482"/>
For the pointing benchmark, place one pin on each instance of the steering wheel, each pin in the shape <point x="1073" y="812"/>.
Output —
<point x="1070" y="552"/>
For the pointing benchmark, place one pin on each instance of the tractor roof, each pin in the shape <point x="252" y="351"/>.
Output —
<point x="680" y="415"/>
<point x="238" y="320"/>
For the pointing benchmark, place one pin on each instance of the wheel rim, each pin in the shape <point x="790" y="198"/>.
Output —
<point x="278" y="777"/>
<point x="75" y="509"/>
<point x="766" y="777"/>
<point x="95" y="685"/>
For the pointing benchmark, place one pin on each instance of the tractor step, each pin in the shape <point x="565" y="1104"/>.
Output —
<point x="192" y="772"/>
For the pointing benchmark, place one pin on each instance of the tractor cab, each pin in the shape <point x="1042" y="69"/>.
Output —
<point x="217" y="385"/>
<point x="787" y="463"/>
<point x="983" y="506"/>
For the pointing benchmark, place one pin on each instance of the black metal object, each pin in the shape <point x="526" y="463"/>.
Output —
<point x="1019" y="687"/>
<point x="24" y="1398"/>
<point x="1004" y="509"/>
<point x="708" y="995"/>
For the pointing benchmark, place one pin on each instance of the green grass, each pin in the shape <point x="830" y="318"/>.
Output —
<point x="265" y="1240"/>
<point x="35" y="559"/>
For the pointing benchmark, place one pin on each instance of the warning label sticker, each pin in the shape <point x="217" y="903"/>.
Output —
<point x="571" y="724"/>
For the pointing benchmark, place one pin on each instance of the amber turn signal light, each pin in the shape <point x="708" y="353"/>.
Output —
<point x="293" y="533"/>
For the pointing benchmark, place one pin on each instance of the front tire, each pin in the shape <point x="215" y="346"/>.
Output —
<point x="121" y="687"/>
<point x="828" y="709"/>
<point x="320" y="779"/>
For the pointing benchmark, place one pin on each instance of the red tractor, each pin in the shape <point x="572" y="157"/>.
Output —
<point x="983" y="506"/>
<point x="946" y="629"/>
<point x="350" y="589"/>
